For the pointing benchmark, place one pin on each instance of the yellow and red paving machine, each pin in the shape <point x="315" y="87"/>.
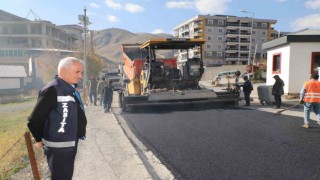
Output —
<point x="150" y="78"/>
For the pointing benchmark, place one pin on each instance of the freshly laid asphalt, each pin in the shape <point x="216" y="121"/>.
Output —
<point x="200" y="143"/>
<point x="230" y="143"/>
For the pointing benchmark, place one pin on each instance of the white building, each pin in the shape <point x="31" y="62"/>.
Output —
<point x="294" y="58"/>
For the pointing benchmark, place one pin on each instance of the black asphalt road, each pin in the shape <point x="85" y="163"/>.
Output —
<point x="230" y="143"/>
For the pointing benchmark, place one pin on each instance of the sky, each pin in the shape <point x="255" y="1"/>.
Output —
<point x="161" y="16"/>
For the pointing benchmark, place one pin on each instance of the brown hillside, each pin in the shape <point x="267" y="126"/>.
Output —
<point x="108" y="42"/>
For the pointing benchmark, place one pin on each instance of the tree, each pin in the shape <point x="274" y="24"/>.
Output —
<point x="47" y="64"/>
<point x="95" y="64"/>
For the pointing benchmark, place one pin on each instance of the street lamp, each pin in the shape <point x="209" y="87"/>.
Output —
<point x="244" y="11"/>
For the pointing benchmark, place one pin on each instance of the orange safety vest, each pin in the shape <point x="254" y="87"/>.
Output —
<point x="312" y="91"/>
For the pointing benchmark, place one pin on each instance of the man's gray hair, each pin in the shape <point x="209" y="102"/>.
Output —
<point x="66" y="62"/>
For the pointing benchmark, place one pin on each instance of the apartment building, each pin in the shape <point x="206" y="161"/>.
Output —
<point x="21" y="38"/>
<point x="229" y="39"/>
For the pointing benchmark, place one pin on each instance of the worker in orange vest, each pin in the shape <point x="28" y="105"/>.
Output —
<point x="310" y="98"/>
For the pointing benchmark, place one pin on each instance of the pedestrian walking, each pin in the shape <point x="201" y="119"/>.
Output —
<point x="100" y="87"/>
<point x="247" y="88"/>
<point x="108" y="96"/>
<point x="310" y="98"/>
<point x="93" y="91"/>
<point x="58" y="119"/>
<point x="277" y="91"/>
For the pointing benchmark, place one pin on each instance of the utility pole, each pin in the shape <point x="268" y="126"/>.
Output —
<point x="85" y="80"/>
<point x="84" y="20"/>
<point x="249" y="57"/>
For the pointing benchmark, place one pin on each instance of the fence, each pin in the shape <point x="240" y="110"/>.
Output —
<point x="21" y="155"/>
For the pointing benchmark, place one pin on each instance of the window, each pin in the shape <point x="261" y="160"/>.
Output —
<point x="220" y="38"/>
<point x="263" y="40"/>
<point x="276" y="64"/>
<point x="253" y="40"/>
<point x="220" y="23"/>
<point x="255" y="25"/>
<point x="208" y="54"/>
<point x="219" y="46"/>
<point x="315" y="62"/>
<point x="263" y="33"/>
<point x="209" y="46"/>
<point x="210" y="22"/>
<point x="219" y="54"/>
<point x="253" y="32"/>
<point x="209" y="38"/>
<point x="220" y="30"/>
<point x="264" y="25"/>
<point x="209" y="30"/>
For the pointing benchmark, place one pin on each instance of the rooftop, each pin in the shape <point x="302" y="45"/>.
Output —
<point x="12" y="71"/>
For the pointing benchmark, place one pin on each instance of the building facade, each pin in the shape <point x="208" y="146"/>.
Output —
<point x="21" y="38"/>
<point x="25" y="44"/>
<point x="229" y="39"/>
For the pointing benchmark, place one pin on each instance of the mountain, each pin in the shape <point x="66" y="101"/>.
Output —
<point x="108" y="41"/>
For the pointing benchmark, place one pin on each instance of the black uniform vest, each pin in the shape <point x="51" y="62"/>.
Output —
<point x="60" y="128"/>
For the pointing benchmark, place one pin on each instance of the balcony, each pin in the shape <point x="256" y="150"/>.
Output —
<point x="197" y="25"/>
<point x="245" y="33"/>
<point x="232" y="41"/>
<point x="197" y="33"/>
<point x="244" y="49"/>
<point x="232" y="50"/>
<point x="236" y="58"/>
<point x="232" y="24"/>
<point x="245" y="41"/>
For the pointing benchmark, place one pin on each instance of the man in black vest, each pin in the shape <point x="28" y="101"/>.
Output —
<point x="58" y="119"/>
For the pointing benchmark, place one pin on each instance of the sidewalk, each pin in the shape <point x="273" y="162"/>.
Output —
<point x="107" y="153"/>
<point x="111" y="153"/>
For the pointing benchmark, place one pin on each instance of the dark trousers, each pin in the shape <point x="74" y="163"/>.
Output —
<point x="94" y="95"/>
<point x="61" y="162"/>
<point x="277" y="99"/>
<point x="107" y="104"/>
<point x="247" y="97"/>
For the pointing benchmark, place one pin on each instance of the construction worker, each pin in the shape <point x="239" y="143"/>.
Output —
<point x="277" y="91"/>
<point x="101" y="84"/>
<point x="247" y="88"/>
<point x="93" y="90"/>
<point x="108" y="96"/>
<point x="310" y="98"/>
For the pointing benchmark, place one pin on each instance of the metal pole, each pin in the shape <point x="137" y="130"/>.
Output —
<point x="250" y="44"/>
<point x="250" y="38"/>
<point x="254" y="58"/>
<point x="33" y="162"/>
<point x="85" y="49"/>
<point x="239" y="52"/>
